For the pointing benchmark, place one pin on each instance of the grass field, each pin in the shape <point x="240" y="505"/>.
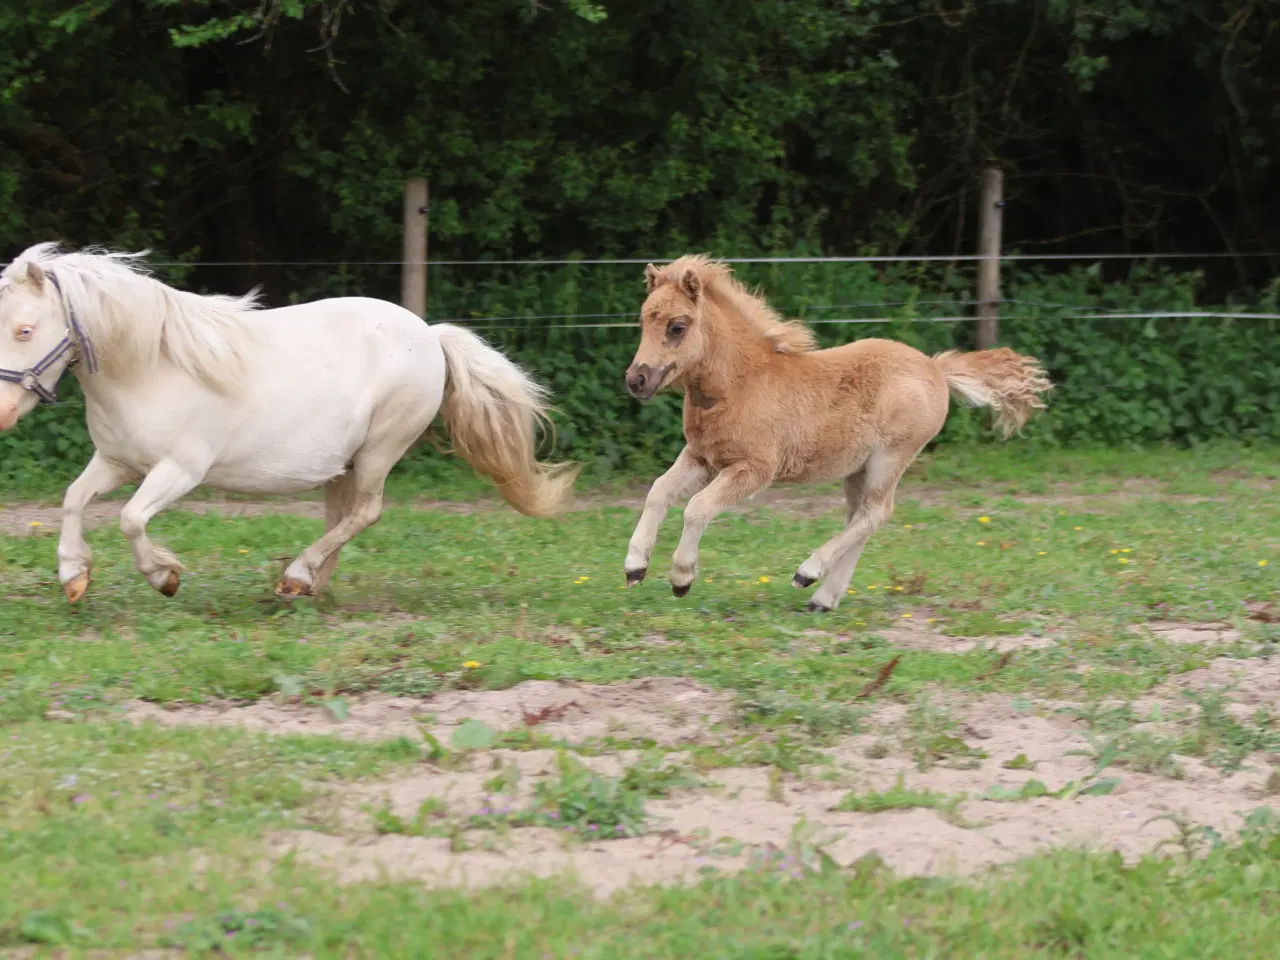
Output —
<point x="1036" y="642"/>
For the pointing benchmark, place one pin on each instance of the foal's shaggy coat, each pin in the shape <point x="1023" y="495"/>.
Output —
<point x="763" y="405"/>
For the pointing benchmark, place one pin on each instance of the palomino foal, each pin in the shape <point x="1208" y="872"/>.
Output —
<point x="762" y="405"/>
<point x="211" y="390"/>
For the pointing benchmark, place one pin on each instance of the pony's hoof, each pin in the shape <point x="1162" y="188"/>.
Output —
<point x="801" y="581"/>
<point x="636" y="576"/>
<point x="74" y="589"/>
<point x="680" y="591"/>
<point x="289" y="588"/>
<point x="817" y="608"/>
<point x="171" y="584"/>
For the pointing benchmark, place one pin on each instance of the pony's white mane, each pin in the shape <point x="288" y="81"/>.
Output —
<point x="135" y="320"/>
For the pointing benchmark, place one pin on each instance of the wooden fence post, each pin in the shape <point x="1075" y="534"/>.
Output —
<point x="990" y="214"/>
<point x="413" y="276"/>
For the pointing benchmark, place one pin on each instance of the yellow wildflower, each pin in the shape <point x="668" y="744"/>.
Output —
<point x="1126" y="550"/>
<point x="1077" y="528"/>
<point x="1042" y="553"/>
<point x="984" y="519"/>
<point x="982" y="543"/>
<point x="1114" y="552"/>
<point x="471" y="664"/>
<point x="35" y="523"/>
<point x="1123" y="560"/>
<point x="906" y="616"/>
<point x="1262" y="563"/>
<point x="763" y="579"/>
<point x="243" y="551"/>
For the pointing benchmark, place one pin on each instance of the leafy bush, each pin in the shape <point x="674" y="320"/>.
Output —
<point x="1119" y="381"/>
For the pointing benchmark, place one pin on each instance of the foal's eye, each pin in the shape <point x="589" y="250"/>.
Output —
<point x="26" y="332"/>
<point x="677" y="329"/>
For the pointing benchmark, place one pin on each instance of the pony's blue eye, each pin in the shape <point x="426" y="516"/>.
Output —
<point x="26" y="332"/>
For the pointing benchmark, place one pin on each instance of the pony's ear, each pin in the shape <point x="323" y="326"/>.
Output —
<point x="652" y="276"/>
<point x="35" y="273"/>
<point x="691" y="285"/>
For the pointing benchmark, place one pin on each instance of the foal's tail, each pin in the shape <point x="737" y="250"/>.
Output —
<point x="493" y="411"/>
<point x="1007" y="382"/>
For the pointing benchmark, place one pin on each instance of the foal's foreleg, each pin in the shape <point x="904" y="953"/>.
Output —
<point x="167" y="483"/>
<point x="686" y="476"/>
<point x="730" y="486"/>
<point x="75" y="559"/>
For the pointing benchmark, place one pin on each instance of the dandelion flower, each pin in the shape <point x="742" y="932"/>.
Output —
<point x="906" y="526"/>
<point x="471" y="664"/>
<point x="931" y="620"/>
<point x="35" y="523"/>
<point x="1123" y="560"/>
<point x="243" y="551"/>
<point x="849" y="592"/>
<point x="984" y="519"/>
<point x="1041" y="553"/>
<point x="1114" y="552"/>
<point x="871" y="587"/>
<point x="1077" y="528"/>
<point x="982" y="543"/>
<point x="1262" y="563"/>
<point x="906" y="616"/>
<point x="899" y="589"/>
<point x="763" y="579"/>
<point x="1126" y="550"/>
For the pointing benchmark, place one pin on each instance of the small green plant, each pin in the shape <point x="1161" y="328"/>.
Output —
<point x="1020" y="762"/>
<point x="897" y="797"/>
<point x="932" y="737"/>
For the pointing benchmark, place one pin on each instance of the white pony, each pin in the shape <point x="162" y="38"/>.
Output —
<point x="182" y="390"/>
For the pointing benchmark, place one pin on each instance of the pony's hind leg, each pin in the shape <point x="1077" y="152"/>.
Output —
<point x="836" y="582"/>
<point x="880" y="480"/>
<point x="733" y="484"/>
<point x="167" y="483"/>
<point x="390" y="436"/>
<point x="338" y="493"/>
<point x="75" y="559"/>
<point x="686" y="476"/>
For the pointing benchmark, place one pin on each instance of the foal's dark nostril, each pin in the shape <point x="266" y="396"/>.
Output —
<point x="640" y="381"/>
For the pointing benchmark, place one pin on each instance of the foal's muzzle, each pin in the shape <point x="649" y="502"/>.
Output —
<point x="643" y="381"/>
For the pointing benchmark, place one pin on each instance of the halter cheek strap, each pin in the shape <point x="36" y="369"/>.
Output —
<point x="75" y="340"/>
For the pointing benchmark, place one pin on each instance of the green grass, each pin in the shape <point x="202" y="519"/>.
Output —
<point x="104" y="824"/>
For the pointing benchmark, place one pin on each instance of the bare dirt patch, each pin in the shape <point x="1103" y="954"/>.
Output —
<point x="977" y="810"/>
<point x="1172" y="631"/>
<point x="668" y="710"/>
<point x="919" y="634"/>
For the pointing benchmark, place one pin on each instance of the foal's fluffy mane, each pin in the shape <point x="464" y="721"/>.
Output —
<point x="134" y="319"/>
<point x="718" y="284"/>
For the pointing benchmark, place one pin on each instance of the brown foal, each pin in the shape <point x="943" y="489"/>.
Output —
<point x="762" y="405"/>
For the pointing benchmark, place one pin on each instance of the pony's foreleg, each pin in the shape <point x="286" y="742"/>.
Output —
<point x="167" y="483"/>
<point x="75" y="559"/>
<point x="730" y="486"/>
<point x="685" y="477"/>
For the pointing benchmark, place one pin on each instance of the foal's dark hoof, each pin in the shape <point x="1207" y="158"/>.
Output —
<point x="635" y="576"/>
<point x="681" y="591"/>
<point x="171" y="584"/>
<point x="817" y="608"/>
<point x="802" y="581"/>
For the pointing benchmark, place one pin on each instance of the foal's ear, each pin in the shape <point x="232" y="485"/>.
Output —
<point x="35" y="273"/>
<point x="691" y="285"/>
<point x="652" y="276"/>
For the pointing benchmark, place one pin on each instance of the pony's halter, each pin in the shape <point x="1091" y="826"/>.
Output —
<point x="75" y="341"/>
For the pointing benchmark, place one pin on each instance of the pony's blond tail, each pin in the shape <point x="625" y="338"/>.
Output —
<point x="492" y="411"/>
<point x="1007" y="382"/>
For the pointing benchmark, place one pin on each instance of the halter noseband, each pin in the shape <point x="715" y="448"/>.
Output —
<point x="74" y="340"/>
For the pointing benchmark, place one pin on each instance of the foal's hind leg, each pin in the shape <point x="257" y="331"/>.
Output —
<point x="880" y="480"/>
<point x="836" y="582"/>
<point x="167" y="483"/>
